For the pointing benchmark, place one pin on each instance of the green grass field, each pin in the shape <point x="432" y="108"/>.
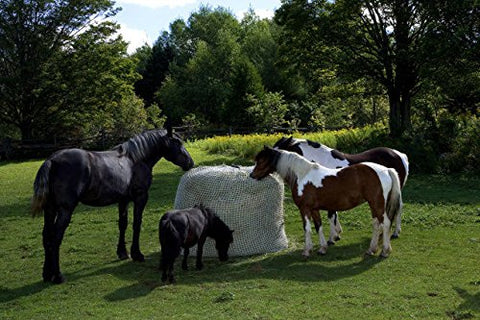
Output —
<point x="432" y="273"/>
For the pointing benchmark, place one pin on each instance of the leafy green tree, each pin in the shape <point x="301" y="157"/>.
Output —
<point x="268" y="111"/>
<point x="153" y="67"/>
<point x="245" y="80"/>
<point x="259" y="43"/>
<point x="399" y="44"/>
<point x="202" y="84"/>
<point x="62" y="71"/>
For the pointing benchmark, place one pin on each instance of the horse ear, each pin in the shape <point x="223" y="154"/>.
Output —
<point x="120" y="150"/>
<point x="168" y="125"/>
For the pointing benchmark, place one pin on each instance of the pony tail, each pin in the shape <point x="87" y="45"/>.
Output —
<point x="394" y="202"/>
<point x="40" y="188"/>
<point x="170" y="247"/>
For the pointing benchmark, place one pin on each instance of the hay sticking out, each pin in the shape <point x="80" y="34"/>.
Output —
<point x="254" y="209"/>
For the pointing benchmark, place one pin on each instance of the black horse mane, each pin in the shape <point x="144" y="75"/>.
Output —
<point x="143" y="145"/>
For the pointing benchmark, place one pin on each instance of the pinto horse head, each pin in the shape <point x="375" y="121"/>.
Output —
<point x="265" y="163"/>
<point x="176" y="152"/>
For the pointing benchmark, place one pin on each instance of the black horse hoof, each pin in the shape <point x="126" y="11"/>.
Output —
<point x="47" y="277"/>
<point x="57" y="279"/>
<point x="138" y="256"/>
<point x="122" y="255"/>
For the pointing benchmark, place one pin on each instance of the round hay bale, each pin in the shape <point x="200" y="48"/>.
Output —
<point x="252" y="208"/>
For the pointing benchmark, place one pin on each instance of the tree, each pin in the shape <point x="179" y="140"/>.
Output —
<point x="153" y="67"/>
<point x="59" y="67"/>
<point x="199" y="82"/>
<point x="269" y="111"/>
<point x="400" y="44"/>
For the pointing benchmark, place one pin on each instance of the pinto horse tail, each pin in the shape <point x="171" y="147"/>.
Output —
<point x="394" y="202"/>
<point x="40" y="188"/>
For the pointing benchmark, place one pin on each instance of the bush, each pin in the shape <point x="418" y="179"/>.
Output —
<point x="465" y="148"/>
<point x="447" y="148"/>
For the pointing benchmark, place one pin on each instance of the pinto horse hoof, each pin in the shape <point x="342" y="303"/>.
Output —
<point x="322" y="251"/>
<point x="394" y="236"/>
<point x="337" y="238"/>
<point x="330" y="243"/>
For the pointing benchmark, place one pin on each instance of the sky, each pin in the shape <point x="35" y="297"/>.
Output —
<point x="142" y="21"/>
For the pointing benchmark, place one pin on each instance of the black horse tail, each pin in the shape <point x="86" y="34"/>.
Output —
<point x="170" y="242"/>
<point x="394" y="201"/>
<point x="40" y="188"/>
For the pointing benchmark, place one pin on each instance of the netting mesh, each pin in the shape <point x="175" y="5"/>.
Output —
<point x="254" y="209"/>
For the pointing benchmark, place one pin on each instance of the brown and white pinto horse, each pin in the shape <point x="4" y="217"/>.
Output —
<point x="315" y="187"/>
<point x="332" y="158"/>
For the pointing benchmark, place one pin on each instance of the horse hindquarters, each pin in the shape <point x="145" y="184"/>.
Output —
<point x="395" y="203"/>
<point x="170" y="243"/>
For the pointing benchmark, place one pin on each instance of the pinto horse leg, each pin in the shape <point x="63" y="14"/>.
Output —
<point x="321" y="237"/>
<point x="308" y="236"/>
<point x="398" y="225"/>
<point x="335" y="227"/>
<point x="375" y="235"/>
<point x="122" y="226"/>
<point x="387" y="248"/>
<point x="139" y="205"/>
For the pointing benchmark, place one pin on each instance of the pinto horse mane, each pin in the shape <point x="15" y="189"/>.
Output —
<point x="143" y="145"/>
<point x="290" y="165"/>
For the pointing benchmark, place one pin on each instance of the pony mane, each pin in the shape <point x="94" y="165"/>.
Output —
<point x="143" y="145"/>
<point x="292" y="166"/>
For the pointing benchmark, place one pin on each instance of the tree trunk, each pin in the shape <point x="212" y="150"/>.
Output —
<point x="26" y="131"/>
<point x="399" y="114"/>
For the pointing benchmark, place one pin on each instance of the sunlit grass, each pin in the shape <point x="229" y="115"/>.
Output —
<point x="432" y="273"/>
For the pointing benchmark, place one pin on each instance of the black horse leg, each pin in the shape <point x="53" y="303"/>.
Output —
<point x="201" y="242"/>
<point x="48" y="243"/>
<point x="139" y="205"/>
<point x="186" y="252"/>
<point x="122" y="226"/>
<point x="61" y="224"/>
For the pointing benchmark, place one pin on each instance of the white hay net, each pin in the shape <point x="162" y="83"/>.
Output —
<point x="252" y="208"/>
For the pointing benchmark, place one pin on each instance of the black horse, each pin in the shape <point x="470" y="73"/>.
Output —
<point x="185" y="228"/>
<point x="120" y="175"/>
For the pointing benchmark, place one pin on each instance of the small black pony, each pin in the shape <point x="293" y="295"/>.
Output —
<point x="121" y="175"/>
<point x="185" y="228"/>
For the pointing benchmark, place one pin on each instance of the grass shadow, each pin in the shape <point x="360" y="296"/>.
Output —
<point x="471" y="303"/>
<point x="341" y="262"/>
<point x="436" y="189"/>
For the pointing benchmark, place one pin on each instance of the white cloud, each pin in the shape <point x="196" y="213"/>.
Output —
<point x="135" y="37"/>
<point x="154" y="4"/>
<point x="261" y="13"/>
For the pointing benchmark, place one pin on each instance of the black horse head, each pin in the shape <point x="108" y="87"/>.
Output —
<point x="151" y="146"/>
<point x="220" y="232"/>
<point x="176" y="152"/>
